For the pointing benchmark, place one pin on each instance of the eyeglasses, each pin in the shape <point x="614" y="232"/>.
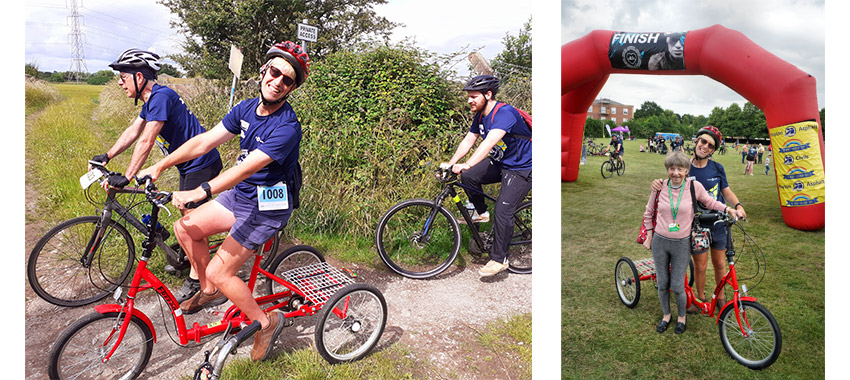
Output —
<point x="704" y="141"/>
<point x="125" y="77"/>
<point x="275" y="73"/>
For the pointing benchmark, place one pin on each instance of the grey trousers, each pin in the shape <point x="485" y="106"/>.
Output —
<point x="671" y="263"/>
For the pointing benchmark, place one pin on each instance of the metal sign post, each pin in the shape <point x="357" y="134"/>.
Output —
<point x="235" y="66"/>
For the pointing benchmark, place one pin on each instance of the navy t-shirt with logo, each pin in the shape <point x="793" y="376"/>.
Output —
<point x="713" y="179"/>
<point x="180" y="125"/>
<point x="512" y="152"/>
<point x="278" y="135"/>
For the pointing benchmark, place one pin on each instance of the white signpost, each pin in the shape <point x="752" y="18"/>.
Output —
<point x="307" y="33"/>
<point x="235" y="66"/>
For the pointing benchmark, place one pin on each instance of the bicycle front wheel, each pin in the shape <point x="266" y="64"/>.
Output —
<point x="621" y="168"/>
<point x="80" y="350"/>
<point x="607" y="169"/>
<point x="351" y="323"/>
<point x="415" y="245"/>
<point x="76" y="263"/>
<point x="763" y="341"/>
<point x="519" y="252"/>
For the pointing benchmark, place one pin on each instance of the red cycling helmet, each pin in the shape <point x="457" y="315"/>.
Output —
<point x="713" y="131"/>
<point x="295" y="55"/>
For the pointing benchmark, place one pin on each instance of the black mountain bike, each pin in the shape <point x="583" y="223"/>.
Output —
<point x="83" y="260"/>
<point x="613" y="165"/>
<point x="420" y="238"/>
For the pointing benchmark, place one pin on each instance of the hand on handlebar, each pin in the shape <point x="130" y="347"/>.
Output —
<point x="457" y="168"/>
<point x="152" y="172"/>
<point x="181" y="199"/>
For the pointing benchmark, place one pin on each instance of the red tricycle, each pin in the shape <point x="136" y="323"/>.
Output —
<point x="748" y="332"/>
<point x="116" y="340"/>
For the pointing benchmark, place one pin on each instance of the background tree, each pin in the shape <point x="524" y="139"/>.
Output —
<point x="513" y="67"/>
<point x="170" y="70"/>
<point x="517" y="52"/>
<point x="101" y="77"/>
<point x="648" y="108"/>
<point x="823" y="122"/>
<point x="211" y="26"/>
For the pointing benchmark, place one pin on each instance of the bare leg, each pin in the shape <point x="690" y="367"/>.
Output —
<point x="192" y="231"/>
<point x="718" y="261"/>
<point x="700" y="265"/>
<point x="222" y="273"/>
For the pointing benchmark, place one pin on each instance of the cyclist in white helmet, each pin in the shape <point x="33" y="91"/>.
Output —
<point x="165" y="121"/>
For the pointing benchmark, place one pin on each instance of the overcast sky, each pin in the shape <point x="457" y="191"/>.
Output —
<point x="110" y="27"/>
<point x="793" y="30"/>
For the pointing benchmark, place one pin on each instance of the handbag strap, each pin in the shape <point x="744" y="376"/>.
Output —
<point x="655" y="209"/>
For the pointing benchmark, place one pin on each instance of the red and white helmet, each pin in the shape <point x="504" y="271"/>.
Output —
<point x="295" y="55"/>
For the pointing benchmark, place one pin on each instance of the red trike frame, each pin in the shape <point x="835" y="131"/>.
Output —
<point x="232" y="317"/>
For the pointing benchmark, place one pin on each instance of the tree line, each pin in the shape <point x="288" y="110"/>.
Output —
<point x="747" y="122"/>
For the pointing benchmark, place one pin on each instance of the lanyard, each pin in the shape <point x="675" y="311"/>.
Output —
<point x="675" y="210"/>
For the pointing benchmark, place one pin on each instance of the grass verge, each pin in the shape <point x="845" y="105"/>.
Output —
<point x="601" y="338"/>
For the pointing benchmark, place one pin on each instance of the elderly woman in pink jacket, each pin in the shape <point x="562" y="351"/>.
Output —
<point x="669" y="239"/>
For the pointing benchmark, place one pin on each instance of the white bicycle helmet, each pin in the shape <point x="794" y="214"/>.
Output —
<point x="135" y="60"/>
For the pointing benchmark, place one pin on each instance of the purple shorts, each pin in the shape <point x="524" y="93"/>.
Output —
<point x="252" y="227"/>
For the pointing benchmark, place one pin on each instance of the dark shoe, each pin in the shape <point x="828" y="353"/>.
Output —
<point x="201" y="300"/>
<point x="265" y="338"/>
<point x="662" y="326"/>
<point x="680" y="328"/>
<point x="692" y="309"/>
<point x="189" y="288"/>
<point x="720" y="302"/>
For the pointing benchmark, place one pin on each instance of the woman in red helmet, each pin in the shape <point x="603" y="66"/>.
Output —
<point x="712" y="176"/>
<point x="270" y="141"/>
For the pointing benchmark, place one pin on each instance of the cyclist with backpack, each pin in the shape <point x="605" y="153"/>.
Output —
<point x="256" y="197"/>
<point x="164" y="121"/>
<point x="503" y="156"/>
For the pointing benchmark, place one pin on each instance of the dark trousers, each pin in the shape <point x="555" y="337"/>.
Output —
<point x="515" y="186"/>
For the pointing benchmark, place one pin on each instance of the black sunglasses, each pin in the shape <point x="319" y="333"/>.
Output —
<point x="704" y="141"/>
<point x="275" y="73"/>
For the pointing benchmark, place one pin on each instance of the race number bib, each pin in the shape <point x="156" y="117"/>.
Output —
<point x="273" y="197"/>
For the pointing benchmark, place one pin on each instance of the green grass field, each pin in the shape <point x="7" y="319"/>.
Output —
<point x="601" y="338"/>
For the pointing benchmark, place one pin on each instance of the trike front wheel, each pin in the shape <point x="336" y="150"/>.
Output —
<point x="415" y="244"/>
<point x="627" y="282"/>
<point x="76" y="263"/>
<point x="760" y="346"/>
<point x="80" y="350"/>
<point x="351" y="323"/>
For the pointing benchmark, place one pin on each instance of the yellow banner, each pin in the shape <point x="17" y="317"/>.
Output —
<point x="799" y="166"/>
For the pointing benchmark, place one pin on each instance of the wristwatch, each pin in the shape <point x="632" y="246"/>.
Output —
<point x="206" y="187"/>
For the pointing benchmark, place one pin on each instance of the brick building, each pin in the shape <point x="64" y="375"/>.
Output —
<point x="607" y="109"/>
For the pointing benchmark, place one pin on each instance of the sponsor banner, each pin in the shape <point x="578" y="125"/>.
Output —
<point x="799" y="166"/>
<point x="647" y="51"/>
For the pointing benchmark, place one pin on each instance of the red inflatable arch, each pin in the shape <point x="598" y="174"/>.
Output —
<point x="786" y="95"/>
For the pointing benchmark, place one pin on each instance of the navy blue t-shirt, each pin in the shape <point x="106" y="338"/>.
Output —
<point x="514" y="153"/>
<point x="180" y="125"/>
<point x="712" y="177"/>
<point x="278" y="135"/>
